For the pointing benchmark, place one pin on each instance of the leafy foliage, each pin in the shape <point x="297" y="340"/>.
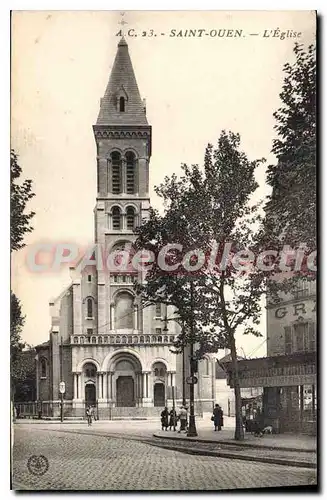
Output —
<point x="20" y="194"/>
<point x="206" y="209"/>
<point x="291" y="209"/>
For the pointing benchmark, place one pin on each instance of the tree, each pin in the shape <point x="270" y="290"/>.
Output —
<point x="291" y="209"/>
<point x="206" y="211"/>
<point x="20" y="194"/>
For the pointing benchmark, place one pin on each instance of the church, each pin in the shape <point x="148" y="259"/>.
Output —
<point x="109" y="350"/>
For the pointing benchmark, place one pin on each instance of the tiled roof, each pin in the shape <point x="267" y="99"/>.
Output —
<point x="122" y="83"/>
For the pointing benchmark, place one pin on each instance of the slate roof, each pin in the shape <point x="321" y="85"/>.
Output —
<point x="122" y="82"/>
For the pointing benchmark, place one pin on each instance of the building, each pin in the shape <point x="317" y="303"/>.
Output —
<point x="224" y="394"/>
<point x="109" y="351"/>
<point x="288" y="374"/>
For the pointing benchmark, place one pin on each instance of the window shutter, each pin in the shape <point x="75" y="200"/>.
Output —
<point x="306" y="336"/>
<point x="312" y="337"/>
<point x="288" y="339"/>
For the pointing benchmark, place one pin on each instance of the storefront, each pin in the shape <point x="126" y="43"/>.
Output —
<point x="289" y="395"/>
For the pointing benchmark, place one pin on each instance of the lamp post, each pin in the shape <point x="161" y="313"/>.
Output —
<point x="192" y="428"/>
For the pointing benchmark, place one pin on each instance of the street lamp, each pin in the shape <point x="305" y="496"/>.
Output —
<point x="192" y="428"/>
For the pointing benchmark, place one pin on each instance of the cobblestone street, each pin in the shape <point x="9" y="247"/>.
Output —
<point x="89" y="462"/>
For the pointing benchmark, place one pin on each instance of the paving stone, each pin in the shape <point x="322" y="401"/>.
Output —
<point x="79" y="461"/>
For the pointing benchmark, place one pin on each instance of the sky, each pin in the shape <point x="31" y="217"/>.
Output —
<point x="194" y="88"/>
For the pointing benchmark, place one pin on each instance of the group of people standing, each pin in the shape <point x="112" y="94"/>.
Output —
<point x="170" y="419"/>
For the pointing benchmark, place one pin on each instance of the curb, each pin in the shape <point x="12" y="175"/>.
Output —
<point x="233" y="456"/>
<point x="239" y="443"/>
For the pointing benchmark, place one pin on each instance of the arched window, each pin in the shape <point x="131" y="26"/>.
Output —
<point x="165" y="338"/>
<point x="124" y="339"/>
<point x="159" y="369"/>
<point x="43" y="368"/>
<point x="116" y="176"/>
<point x="116" y="218"/>
<point x="160" y="338"/>
<point x="130" y="339"/>
<point x="130" y="172"/>
<point x="130" y="218"/>
<point x="124" y="311"/>
<point x="118" y="339"/>
<point x="142" y="339"/>
<point x="147" y="339"/>
<point x="122" y="104"/>
<point x="89" y="308"/>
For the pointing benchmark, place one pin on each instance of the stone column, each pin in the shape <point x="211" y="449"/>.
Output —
<point x="123" y="179"/>
<point x="109" y="384"/>
<point x="145" y="392"/>
<point x="112" y="316"/>
<point x="136" y="326"/>
<point x="75" y="385"/>
<point x="99" y="384"/>
<point x="79" y="386"/>
<point x="105" y="386"/>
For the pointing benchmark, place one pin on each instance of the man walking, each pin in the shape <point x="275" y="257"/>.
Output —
<point x="89" y="415"/>
<point x="182" y="418"/>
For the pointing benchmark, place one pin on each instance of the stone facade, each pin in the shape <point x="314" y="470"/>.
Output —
<point x="108" y="349"/>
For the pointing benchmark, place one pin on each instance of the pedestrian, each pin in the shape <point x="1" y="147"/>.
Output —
<point x="164" y="418"/>
<point x="172" y="419"/>
<point x="183" y="419"/>
<point x="89" y="415"/>
<point x="217" y="418"/>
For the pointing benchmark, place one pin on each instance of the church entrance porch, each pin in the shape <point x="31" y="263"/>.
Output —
<point x="159" y="394"/>
<point x="90" y="395"/>
<point x="125" y="391"/>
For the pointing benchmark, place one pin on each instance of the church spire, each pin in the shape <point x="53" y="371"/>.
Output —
<point x="122" y="103"/>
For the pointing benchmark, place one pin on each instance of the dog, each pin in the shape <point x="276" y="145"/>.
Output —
<point x="266" y="430"/>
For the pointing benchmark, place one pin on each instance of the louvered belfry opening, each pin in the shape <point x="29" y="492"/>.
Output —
<point x="130" y="218"/>
<point x="116" y="172"/>
<point x="130" y="173"/>
<point x="116" y="218"/>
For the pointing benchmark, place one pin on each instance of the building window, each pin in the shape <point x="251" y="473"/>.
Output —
<point x="166" y="339"/>
<point x="124" y="311"/>
<point x="300" y="338"/>
<point x="158" y="331"/>
<point x="124" y="339"/>
<point x="89" y="278"/>
<point x="116" y="218"/>
<point x="89" y="331"/>
<point x="117" y="339"/>
<point x="302" y="289"/>
<point x="89" y="311"/>
<point x="147" y="339"/>
<point x="158" y="310"/>
<point x="160" y="339"/>
<point x="75" y="340"/>
<point x="130" y="218"/>
<point x="130" y="172"/>
<point x="116" y="173"/>
<point x="122" y="104"/>
<point x="206" y="366"/>
<point x="172" y="338"/>
<point x="43" y="368"/>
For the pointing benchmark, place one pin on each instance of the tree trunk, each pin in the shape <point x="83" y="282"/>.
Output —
<point x="239" y="430"/>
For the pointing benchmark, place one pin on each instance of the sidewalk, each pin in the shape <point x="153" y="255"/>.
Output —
<point x="287" y="442"/>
